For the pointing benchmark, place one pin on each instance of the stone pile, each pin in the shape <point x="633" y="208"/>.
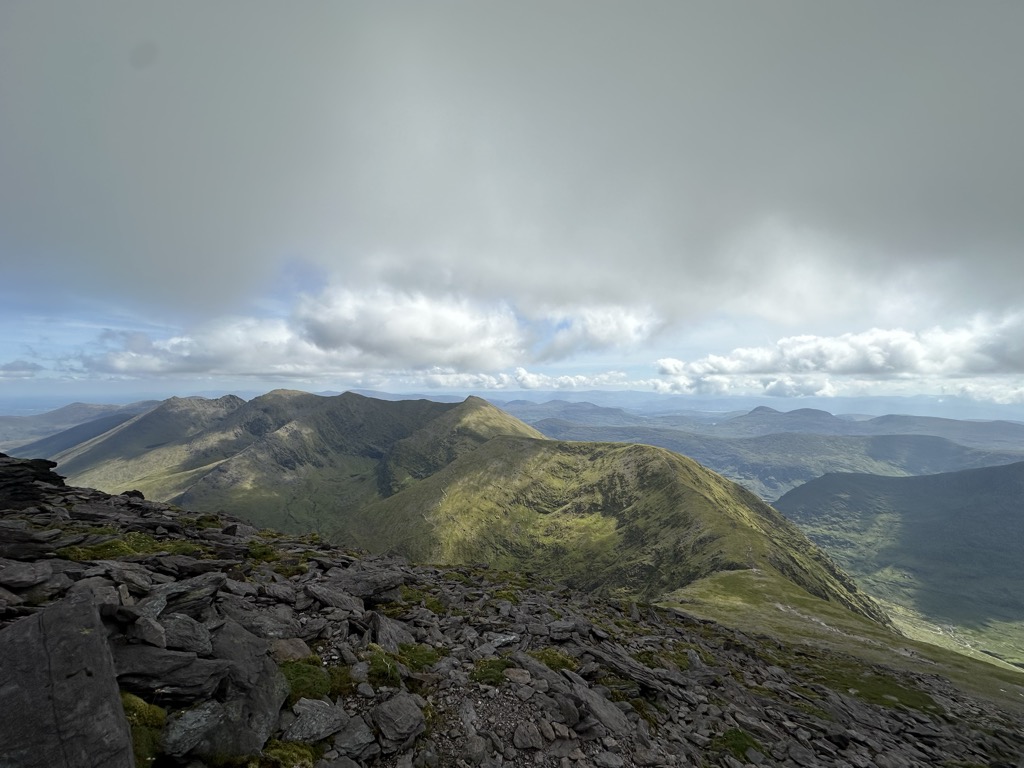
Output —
<point x="137" y="633"/>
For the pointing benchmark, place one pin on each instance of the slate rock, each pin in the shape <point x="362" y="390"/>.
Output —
<point x="367" y="580"/>
<point x="335" y="597"/>
<point x="60" y="657"/>
<point x="400" y="720"/>
<point x="355" y="739"/>
<point x="275" y="622"/>
<point x="316" y="721"/>
<point x="388" y="633"/>
<point x="18" y="575"/>
<point x="184" y="633"/>
<point x="255" y="692"/>
<point x="177" y="677"/>
<point x="527" y="736"/>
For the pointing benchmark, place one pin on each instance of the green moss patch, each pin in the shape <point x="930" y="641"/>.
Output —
<point x="490" y="671"/>
<point x="147" y="723"/>
<point x="307" y="679"/>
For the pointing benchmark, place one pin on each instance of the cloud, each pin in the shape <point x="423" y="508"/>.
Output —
<point x="19" y="369"/>
<point x="411" y="330"/>
<point x="607" y="157"/>
<point x="597" y="328"/>
<point x="808" y="364"/>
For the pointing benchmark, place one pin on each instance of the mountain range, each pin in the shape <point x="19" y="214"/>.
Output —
<point x="457" y="483"/>
<point x="770" y="452"/>
<point x="596" y="501"/>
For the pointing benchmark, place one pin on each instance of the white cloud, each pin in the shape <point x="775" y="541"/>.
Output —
<point x="824" y="365"/>
<point x="410" y="330"/>
<point x="595" y="328"/>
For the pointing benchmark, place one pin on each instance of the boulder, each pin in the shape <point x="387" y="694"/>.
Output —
<point x="58" y="692"/>
<point x="400" y="720"/>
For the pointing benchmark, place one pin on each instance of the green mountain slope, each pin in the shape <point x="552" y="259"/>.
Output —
<point x="615" y="519"/>
<point x="946" y="547"/>
<point x="771" y="465"/>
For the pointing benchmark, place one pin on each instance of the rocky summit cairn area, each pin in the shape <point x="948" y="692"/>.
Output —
<point x="137" y="633"/>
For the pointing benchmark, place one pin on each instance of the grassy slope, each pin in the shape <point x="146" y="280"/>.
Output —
<point x="620" y="519"/>
<point x="287" y="459"/>
<point x="943" y="550"/>
<point x="763" y="604"/>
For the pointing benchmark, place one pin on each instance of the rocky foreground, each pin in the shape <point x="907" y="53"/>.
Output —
<point x="136" y="633"/>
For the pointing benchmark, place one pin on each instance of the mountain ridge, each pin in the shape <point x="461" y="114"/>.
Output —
<point x="458" y="483"/>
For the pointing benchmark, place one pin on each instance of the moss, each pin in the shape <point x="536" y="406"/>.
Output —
<point x="147" y="723"/>
<point x="261" y="552"/>
<point x="418" y="657"/>
<point x="383" y="668"/>
<point x="289" y="569"/>
<point x="736" y="742"/>
<point x="341" y="681"/>
<point x="644" y="710"/>
<point x="306" y="679"/>
<point x="507" y="594"/>
<point x="289" y="754"/>
<point x="490" y="671"/>
<point x="209" y="521"/>
<point x="131" y="543"/>
<point x="420" y="597"/>
<point x="554" y="659"/>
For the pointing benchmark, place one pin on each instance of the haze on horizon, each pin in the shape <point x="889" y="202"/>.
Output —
<point x="790" y="199"/>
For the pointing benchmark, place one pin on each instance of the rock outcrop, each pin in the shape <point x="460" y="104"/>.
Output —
<point x="135" y="633"/>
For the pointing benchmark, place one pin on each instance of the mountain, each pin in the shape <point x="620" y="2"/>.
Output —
<point x="946" y="548"/>
<point x="458" y="483"/>
<point x="989" y="435"/>
<point x="288" y="458"/>
<point x="770" y="465"/>
<point x="137" y="633"/>
<point x="21" y="430"/>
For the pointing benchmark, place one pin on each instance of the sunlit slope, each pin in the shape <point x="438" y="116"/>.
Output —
<point x="145" y="446"/>
<point x="946" y="548"/>
<point x="619" y="519"/>
<point x="288" y="459"/>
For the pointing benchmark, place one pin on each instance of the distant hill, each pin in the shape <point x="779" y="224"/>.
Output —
<point x="18" y="431"/>
<point x="772" y="464"/>
<point x="457" y="483"/>
<point x="991" y="435"/>
<point x="947" y="547"/>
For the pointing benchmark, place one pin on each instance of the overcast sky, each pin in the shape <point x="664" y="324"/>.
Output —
<point x="779" y="198"/>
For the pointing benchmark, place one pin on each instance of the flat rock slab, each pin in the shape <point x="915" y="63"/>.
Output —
<point x="58" y="692"/>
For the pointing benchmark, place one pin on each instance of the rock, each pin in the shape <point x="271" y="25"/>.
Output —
<point x="273" y="623"/>
<point x="400" y="720"/>
<point x="17" y="575"/>
<point x="527" y="736"/>
<point x="316" y="721"/>
<point x="388" y="633"/>
<point x="184" y="633"/>
<point x="149" y="631"/>
<point x="289" y="649"/>
<point x="336" y="597"/>
<point x="255" y="692"/>
<point x="355" y="739"/>
<point x="176" y="677"/>
<point x="367" y="580"/>
<point x="58" y="692"/>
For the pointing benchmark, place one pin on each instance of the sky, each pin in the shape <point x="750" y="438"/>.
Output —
<point x="778" y="198"/>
